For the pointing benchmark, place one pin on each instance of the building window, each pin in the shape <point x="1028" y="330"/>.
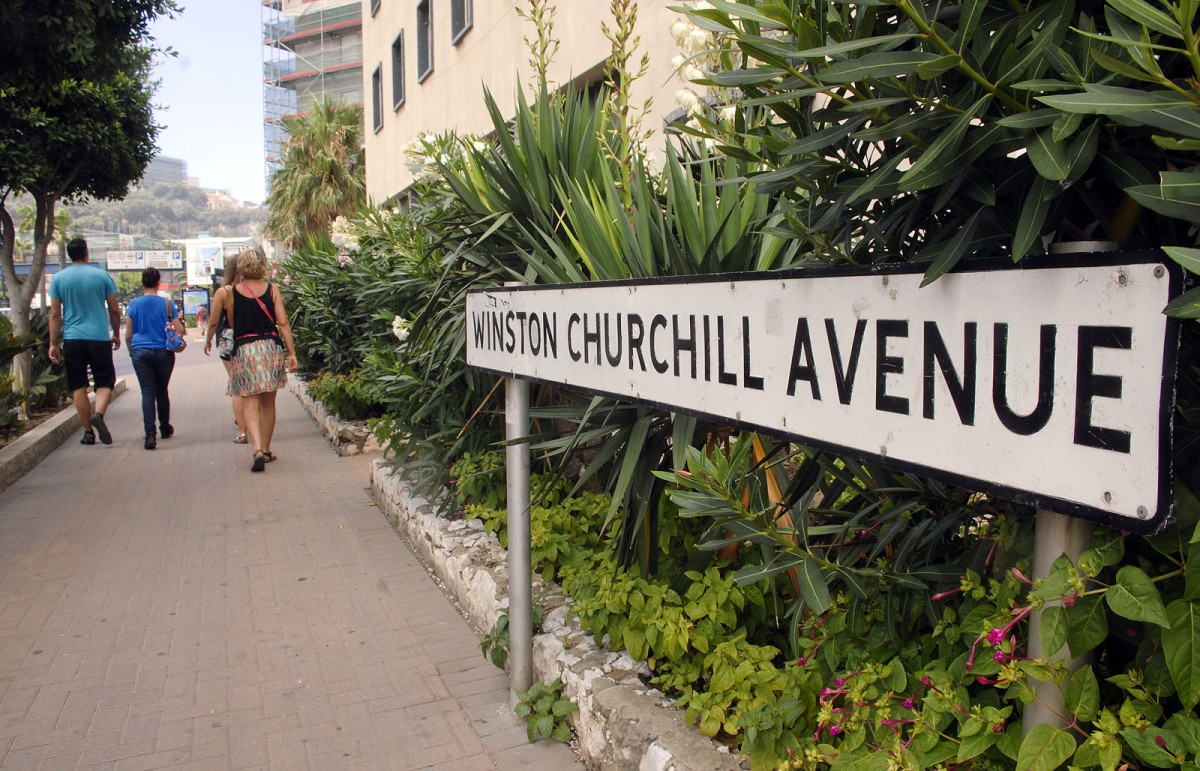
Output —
<point x="377" y="98"/>
<point x="460" y="19"/>
<point x="398" y="71"/>
<point x="424" y="40"/>
<point x="375" y="6"/>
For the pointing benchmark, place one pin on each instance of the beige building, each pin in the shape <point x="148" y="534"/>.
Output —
<point x="426" y="64"/>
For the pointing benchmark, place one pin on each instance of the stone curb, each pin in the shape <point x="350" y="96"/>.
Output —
<point x="622" y="723"/>
<point x="347" y="437"/>
<point x="30" y="449"/>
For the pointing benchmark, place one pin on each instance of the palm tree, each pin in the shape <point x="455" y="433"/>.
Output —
<point x="322" y="174"/>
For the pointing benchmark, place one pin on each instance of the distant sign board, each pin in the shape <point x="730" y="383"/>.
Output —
<point x="203" y="257"/>
<point x="163" y="259"/>
<point x="1051" y="385"/>
<point x="193" y="299"/>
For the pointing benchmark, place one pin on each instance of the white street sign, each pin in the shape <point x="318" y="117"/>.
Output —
<point x="1051" y="385"/>
<point x="163" y="259"/>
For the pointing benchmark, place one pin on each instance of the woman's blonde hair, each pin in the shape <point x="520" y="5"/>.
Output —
<point x="231" y="271"/>
<point x="252" y="263"/>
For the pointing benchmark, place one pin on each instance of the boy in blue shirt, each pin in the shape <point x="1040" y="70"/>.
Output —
<point x="83" y="308"/>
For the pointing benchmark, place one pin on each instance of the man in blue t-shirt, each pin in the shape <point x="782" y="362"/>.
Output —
<point x="83" y="308"/>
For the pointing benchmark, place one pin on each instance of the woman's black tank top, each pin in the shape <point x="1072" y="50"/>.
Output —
<point x="249" y="321"/>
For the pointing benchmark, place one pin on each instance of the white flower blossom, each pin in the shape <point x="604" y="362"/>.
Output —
<point x="689" y="100"/>
<point x="400" y="328"/>
<point x="727" y="113"/>
<point x="343" y="234"/>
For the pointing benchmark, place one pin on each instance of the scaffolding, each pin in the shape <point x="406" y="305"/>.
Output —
<point x="311" y="51"/>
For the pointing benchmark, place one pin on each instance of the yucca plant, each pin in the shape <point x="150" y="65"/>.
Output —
<point x="942" y="130"/>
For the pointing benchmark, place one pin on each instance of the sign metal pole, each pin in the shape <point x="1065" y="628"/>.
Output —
<point x="520" y="582"/>
<point x="1054" y="536"/>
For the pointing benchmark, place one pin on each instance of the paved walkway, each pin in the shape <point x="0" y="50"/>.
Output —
<point x="169" y="609"/>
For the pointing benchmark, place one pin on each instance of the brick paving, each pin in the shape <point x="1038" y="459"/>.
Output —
<point x="169" y="609"/>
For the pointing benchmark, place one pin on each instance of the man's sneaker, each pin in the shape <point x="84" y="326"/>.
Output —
<point x="101" y="429"/>
<point x="89" y="437"/>
<point x="168" y="431"/>
<point x="151" y="441"/>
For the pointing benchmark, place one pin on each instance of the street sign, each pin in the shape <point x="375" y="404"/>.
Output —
<point x="1051" y="385"/>
<point x="163" y="259"/>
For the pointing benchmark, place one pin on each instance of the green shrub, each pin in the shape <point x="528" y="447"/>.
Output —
<point x="346" y="396"/>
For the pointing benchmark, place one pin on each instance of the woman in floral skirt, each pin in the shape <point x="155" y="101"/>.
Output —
<point x="260" y="333"/>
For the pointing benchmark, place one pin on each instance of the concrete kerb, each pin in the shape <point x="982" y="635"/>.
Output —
<point x="347" y="438"/>
<point x="31" y="448"/>
<point x="622" y="723"/>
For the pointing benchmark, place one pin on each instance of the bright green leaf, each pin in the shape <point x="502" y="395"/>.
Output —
<point x="1083" y="694"/>
<point x="1136" y="598"/>
<point x="1053" y="629"/>
<point x="1045" y="748"/>
<point x="1181" y="647"/>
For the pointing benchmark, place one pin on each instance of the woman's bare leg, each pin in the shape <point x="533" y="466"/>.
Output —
<point x="237" y="401"/>
<point x="267" y="418"/>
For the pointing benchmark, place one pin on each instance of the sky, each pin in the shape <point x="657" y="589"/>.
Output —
<point x="209" y="99"/>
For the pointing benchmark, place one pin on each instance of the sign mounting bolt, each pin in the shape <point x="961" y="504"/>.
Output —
<point x="1159" y="271"/>
<point x="1108" y="497"/>
<point x="1122" y="279"/>
<point x="1143" y="512"/>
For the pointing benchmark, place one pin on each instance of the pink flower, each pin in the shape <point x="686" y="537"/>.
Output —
<point x="996" y="636"/>
<point x="997" y="728"/>
<point x="907" y="703"/>
<point x="801" y="661"/>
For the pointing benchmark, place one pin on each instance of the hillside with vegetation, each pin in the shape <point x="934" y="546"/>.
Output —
<point x="165" y="212"/>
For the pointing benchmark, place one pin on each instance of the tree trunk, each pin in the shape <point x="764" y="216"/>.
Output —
<point x="20" y="292"/>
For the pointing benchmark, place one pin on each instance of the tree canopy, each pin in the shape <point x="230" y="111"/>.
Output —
<point x="75" y="113"/>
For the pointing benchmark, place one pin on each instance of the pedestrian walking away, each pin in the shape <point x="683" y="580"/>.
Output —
<point x="260" y="332"/>
<point x="202" y="318"/>
<point x="83" y="309"/>
<point x="146" y="338"/>
<point x="223" y="332"/>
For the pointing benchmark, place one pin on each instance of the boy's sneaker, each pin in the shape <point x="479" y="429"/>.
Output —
<point x="101" y="429"/>
<point x="89" y="437"/>
<point x="151" y="441"/>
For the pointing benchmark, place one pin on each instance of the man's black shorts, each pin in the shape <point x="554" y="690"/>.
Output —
<point x="81" y="354"/>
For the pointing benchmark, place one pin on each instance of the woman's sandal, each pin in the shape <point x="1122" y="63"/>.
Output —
<point x="269" y="456"/>
<point x="260" y="462"/>
<point x="240" y="439"/>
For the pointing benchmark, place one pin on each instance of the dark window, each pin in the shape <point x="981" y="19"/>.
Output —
<point x="398" y="71"/>
<point x="375" y="6"/>
<point x="377" y="97"/>
<point x="460" y="19"/>
<point x="424" y="39"/>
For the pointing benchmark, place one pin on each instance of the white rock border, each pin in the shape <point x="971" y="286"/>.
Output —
<point x="347" y="437"/>
<point x="622" y="724"/>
